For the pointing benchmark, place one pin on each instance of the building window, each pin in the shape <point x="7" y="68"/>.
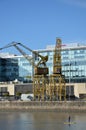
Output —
<point x="3" y="89"/>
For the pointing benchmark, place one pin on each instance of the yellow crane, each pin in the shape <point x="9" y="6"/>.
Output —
<point x="57" y="88"/>
<point x="42" y="61"/>
<point x="44" y="86"/>
<point x="40" y="70"/>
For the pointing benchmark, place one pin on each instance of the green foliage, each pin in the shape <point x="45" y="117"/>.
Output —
<point x="6" y="94"/>
<point x="18" y="93"/>
<point x="27" y="92"/>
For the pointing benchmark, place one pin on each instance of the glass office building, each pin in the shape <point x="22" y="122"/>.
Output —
<point x="9" y="69"/>
<point x="73" y="59"/>
<point x="73" y="64"/>
<point x="25" y="69"/>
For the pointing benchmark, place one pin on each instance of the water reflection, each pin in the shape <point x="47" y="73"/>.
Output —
<point x="41" y="121"/>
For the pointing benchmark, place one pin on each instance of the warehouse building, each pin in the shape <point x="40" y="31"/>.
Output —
<point x="15" y="89"/>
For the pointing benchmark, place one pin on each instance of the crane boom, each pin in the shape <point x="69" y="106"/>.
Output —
<point x="15" y="44"/>
<point x="42" y="61"/>
<point x="31" y="60"/>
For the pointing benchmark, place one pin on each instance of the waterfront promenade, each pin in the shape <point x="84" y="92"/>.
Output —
<point x="65" y="106"/>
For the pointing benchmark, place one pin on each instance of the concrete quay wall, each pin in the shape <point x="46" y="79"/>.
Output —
<point x="59" y="106"/>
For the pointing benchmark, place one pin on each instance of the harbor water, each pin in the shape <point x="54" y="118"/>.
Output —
<point x="42" y="121"/>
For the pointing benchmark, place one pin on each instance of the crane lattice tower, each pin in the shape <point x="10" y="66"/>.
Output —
<point x="57" y="87"/>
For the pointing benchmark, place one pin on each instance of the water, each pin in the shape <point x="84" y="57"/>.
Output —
<point x="41" y="121"/>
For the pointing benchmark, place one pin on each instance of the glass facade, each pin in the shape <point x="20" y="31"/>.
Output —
<point x="9" y="69"/>
<point x="73" y="65"/>
<point x="25" y="69"/>
<point x="2" y="69"/>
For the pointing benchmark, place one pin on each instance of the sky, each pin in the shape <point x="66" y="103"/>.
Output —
<point x="37" y="23"/>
